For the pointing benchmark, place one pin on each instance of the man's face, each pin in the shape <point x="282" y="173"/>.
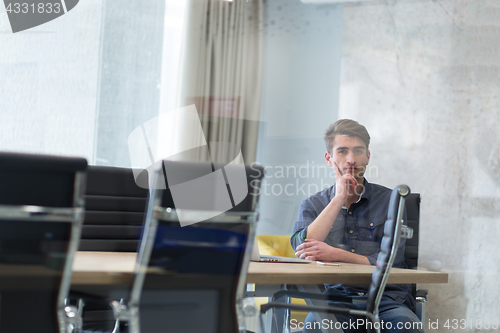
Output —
<point x="350" y="154"/>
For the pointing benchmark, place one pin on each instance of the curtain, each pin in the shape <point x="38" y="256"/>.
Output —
<point x="222" y="72"/>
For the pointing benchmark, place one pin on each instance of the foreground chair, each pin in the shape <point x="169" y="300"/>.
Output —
<point x="191" y="278"/>
<point x="393" y="231"/>
<point x="41" y="212"/>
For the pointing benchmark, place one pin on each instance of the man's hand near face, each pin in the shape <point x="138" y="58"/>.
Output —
<point x="312" y="249"/>
<point x="345" y="186"/>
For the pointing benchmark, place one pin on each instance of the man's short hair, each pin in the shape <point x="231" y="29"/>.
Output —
<point x="346" y="127"/>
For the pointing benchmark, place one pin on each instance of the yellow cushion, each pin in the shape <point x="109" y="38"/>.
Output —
<point x="275" y="245"/>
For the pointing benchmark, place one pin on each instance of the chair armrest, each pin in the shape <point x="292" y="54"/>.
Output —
<point x="304" y="295"/>
<point x="421" y="295"/>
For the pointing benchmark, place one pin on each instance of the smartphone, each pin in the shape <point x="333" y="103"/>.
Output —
<point x="328" y="263"/>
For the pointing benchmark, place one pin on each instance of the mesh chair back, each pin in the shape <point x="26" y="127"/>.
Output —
<point x="40" y="218"/>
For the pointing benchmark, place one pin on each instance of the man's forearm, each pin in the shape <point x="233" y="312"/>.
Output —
<point x="322" y="225"/>
<point x="318" y="250"/>
<point x="353" y="258"/>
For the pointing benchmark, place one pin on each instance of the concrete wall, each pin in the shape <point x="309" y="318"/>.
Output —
<point x="423" y="77"/>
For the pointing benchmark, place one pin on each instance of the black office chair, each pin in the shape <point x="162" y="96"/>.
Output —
<point x="190" y="277"/>
<point x="411" y="251"/>
<point x="197" y="271"/>
<point x="114" y="212"/>
<point x="393" y="231"/>
<point x="114" y="215"/>
<point x="41" y="212"/>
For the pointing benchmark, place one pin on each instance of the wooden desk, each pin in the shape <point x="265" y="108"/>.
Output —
<point x="312" y="273"/>
<point x="106" y="268"/>
<point x="103" y="268"/>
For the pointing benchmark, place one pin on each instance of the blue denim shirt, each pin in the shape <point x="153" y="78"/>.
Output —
<point x="358" y="229"/>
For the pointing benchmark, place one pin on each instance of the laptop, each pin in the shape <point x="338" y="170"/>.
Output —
<point x="256" y="256"/>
